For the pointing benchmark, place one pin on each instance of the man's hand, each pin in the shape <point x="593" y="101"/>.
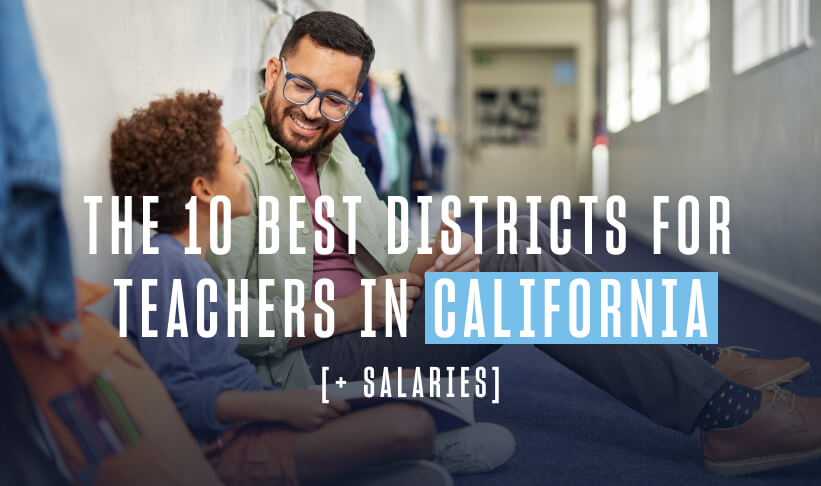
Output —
<point x="465" y="260"/>
<point x="381" y="293"/>
<point x="304" y="410"/>
<point x="350" y="310"/>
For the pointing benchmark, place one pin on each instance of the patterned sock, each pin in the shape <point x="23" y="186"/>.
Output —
<point x="705" y="351"/>
<point x="730" y="406"/>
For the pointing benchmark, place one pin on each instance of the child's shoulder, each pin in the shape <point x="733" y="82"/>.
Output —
<point x="169" y="261"/>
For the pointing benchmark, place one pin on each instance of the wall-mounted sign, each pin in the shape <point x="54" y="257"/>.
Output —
<point x="508" y="116"/>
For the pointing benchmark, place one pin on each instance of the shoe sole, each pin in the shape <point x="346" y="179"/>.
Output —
<point x="408" y="472"/>
<point x="759" y="464"/>
<point x="786" y="378"/>
<point x="497" y="447"/>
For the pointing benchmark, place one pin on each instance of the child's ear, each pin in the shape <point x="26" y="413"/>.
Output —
<point x="202" y="190"/>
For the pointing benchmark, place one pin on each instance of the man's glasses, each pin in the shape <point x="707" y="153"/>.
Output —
<point x="300" y="91"/>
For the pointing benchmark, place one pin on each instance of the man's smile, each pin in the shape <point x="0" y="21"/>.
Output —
<point x="303" y="127"/>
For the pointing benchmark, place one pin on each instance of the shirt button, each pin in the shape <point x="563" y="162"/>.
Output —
<point x="291" y="176"/>
<point x="305" y="231"/>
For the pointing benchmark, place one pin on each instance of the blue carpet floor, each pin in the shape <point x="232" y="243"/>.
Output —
<point x="570" y="432"/>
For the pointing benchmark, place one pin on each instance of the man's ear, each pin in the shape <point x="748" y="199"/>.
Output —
<point x="358" y="97"/>
<point x="271" y="73"/>
<point x="202" y="190"/>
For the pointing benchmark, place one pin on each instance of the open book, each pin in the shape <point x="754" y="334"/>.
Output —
<point x="447" y="412"/>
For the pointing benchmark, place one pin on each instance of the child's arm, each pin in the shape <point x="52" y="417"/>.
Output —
<point x="171" y="357"/>
<point x="301" y="409"/>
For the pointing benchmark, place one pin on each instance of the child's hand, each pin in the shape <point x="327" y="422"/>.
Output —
<point x="304" y="410"/>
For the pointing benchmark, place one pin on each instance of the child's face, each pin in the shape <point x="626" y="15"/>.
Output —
<point x="230" y="178"/>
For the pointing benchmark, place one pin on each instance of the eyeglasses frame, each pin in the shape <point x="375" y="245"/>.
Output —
<point x="317" y="94"/>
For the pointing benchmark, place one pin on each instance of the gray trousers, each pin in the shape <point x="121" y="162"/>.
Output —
<point x="666" y="383"/>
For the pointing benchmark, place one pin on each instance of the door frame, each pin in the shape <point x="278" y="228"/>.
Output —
<point x="549" y="25"/>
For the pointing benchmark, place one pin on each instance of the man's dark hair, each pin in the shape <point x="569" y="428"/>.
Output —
<point x="335" y="31"/>
<point x="159" y="150"/>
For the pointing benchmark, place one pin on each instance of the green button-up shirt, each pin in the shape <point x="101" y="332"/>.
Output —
<point x="270" y="174"/>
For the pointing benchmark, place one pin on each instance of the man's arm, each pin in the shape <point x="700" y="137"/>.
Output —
<point x="465" y="260"/>
<point x="348" y="317"/>
<point x="241" y="263"/>
<point x="349" y="312"/>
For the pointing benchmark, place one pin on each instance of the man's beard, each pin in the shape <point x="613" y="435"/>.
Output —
<point x="276" y="131"/>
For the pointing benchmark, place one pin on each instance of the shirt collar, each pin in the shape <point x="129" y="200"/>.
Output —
<point x="271" y="150"/>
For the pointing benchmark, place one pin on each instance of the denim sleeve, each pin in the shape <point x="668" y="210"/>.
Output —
<point x="35" y="259"/>
<point x="29" y="132"/>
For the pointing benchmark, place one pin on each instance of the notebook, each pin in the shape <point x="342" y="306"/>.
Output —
<point x="448" y="412"/>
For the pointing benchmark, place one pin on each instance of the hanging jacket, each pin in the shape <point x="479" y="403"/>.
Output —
<point x="386" y="136"/>
<point x="360" y="135"/>
<point x="419" y="177"/>
<point x="401" y="123"/>
<point x="438" y="159"/>
<point x="35" y="266"/>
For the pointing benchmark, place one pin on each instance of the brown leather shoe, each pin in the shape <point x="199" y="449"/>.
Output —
<point x="757" y="373"/>
<point x="786" y="430"/>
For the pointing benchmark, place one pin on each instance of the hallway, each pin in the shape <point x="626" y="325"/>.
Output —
<point x="564" y="425"/>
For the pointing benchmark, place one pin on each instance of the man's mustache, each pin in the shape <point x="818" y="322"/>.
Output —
<point x="297" y="114"/>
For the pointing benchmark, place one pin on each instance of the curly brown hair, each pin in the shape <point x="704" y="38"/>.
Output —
<point x="159" y="150"/>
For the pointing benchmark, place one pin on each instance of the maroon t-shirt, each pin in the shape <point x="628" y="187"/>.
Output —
<point x="338" y="266"/>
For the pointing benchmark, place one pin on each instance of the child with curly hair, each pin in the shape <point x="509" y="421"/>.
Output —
<point x="177" y="148"/>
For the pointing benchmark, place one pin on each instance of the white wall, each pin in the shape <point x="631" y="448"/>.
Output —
<point x="103" y="58"/>
<point x="754" y="138"/>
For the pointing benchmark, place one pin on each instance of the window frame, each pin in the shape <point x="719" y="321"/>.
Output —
<point x="806" y="41"/>
<point x="651" y="35"/>
<point x="623" y="63"/>
<point x="687" y="53"/>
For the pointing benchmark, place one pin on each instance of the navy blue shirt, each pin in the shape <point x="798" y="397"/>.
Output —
<point x="194" y="369"/>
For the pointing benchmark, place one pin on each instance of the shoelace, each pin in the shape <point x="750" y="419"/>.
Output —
<point x="454" y="452"/>
<point x="783" y="395"/>
<point x="729" y="350"/>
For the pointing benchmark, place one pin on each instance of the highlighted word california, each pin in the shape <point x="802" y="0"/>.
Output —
<point x="571" y="308"/>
